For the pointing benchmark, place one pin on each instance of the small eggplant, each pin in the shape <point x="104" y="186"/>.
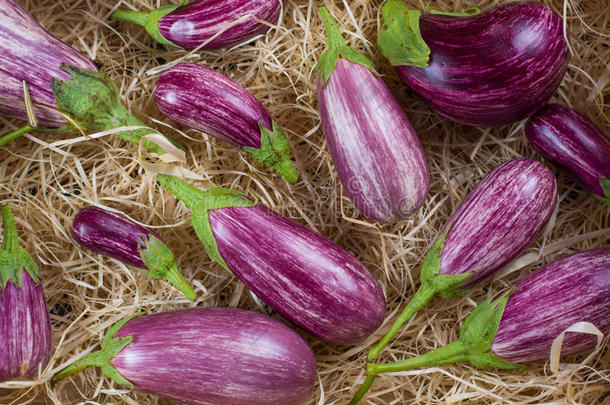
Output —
<point x="188" y="26"/>
<point x="573" y="143"/>
<point x="121" y="238"/>
<point x="488" y="69"/>
<point x="305" y="277"/>
<point x="201" y="98"/>
<point x="500" y="217"/>
<point x="374" y="147"/>
<point x="206" y="356"/>
<point x="61" y="82"/>
<point x="25" y="328"/>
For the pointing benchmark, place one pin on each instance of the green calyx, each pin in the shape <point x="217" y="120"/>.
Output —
<point x="149" y="20"/>
<point x="161" y="265"/>
<point x="605" y="183"/>
<point x="13" y="259"/>
<point x="201" y="202"/>
<point x="275" y="152"/>
<point x="464" y="13"/>
<point x="337" y="48"/>
<point x="92" y="100"/>
<point x="400" y="38"/>
<point x="111" y="346"/>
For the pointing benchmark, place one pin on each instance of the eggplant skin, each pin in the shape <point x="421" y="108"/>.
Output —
<point x="25" y="330"/>
<point x="573" y="289"/>
<point x="500" y="217"/>
<point x="29" y="52"/>
<point x="191" y="25"/>
<point x="377" y="154"/>
<point x="571" y="142"/>
<point x="308" y="279"/>
<point x="490" y="69"/>
<point x="217" y="356"/>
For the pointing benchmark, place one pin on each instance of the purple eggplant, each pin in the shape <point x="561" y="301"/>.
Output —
<point x="201" y="98"/>
<point x="488" y="69"/>
<point x="61" y="81"/>
<point x="503" y="330"/>
<point x="573" y="143"/>
<point x="119" y="237"/>
<point x="374" y="147"/>
<point x="206" y="356"/>
<point x="189" y="26"/>
<point x="25" y="328"/>
<point x="305" y="277"/>
<point x="500" y="217"/>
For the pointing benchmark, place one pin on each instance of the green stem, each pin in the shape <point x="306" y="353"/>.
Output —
<point x="10" y="241"/>
<point x="14" y="135"/>
<point x="136" y="17"/>
<point x="188" y="194"/>
<point x="175" y="277"/>
<point x="363" y="390"/>
<point x="148" y="20"/>
<point x="423" y="295"/>
<point x="451" y="353"/>
<point x="333" y="33"/>
<point x="95" y="359"/>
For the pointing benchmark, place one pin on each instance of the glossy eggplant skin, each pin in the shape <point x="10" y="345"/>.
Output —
<point x="29" y="52"/>
<point x="571" y="142"/>
<point x="490" y="69"/>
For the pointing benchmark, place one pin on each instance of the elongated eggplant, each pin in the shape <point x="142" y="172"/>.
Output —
<point x="206" y="356"/>
<point x="520" y="325"/>
<point x="204" y="99"/>
<point x="188" y="26"/>
<point x="25" y="328"/>
<point x="305" y="277"/>
<point x="374" y="147"/>
<point x="117" y="236"/>
<point x="488" y="69"/>
<point x="500" y="217"/>
<point x="61" y="81"/>
<point x="573" y="143"/>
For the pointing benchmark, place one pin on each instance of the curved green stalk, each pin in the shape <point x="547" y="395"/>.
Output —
<point x="14" y="135"/>
<point x="605" y="183"/>
<point x="148" y="20"/>
<point x="14" y="260"/>
<point x="467" y="12"/>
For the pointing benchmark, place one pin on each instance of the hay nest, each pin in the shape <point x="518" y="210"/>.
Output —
<point x="86" y="293"/>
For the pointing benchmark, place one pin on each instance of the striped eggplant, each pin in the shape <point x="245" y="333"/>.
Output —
<point x="374" y="147"/>
<point x="575" y="144"/>
<point x="25" y="328"/>
<point x="189" y="26"/>
<point x="121" y="238"/>
<point x="487" y="69"/>
<point x="61" y="82"/>
<point x="201" y="98"/>
<point x="305" y="277"/>
<point x="500" y="218"/>
<point x="206" y="356"/>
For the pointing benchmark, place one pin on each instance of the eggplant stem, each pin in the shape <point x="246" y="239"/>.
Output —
<point x="363" y="389"/>
<point x="14" y="135"/>
<point x="149" y="20"/>
<point x="10" y="242"/>
<point x="175" y="277"/>
<point x="333" y="33"/>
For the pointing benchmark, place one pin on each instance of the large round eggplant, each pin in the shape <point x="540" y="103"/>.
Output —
<point x="374" y="147"/>
<point x="500" y="217"/>
<point x="25" y="328"/>
<point x="488" y="69"/>
<point x="209" y="101"/>
<point x="573" y="143"/>
<point x="206" y="356"/>
<point x="305" y="277"/>
<point x="189" y="26"/>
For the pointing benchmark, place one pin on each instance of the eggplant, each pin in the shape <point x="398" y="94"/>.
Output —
<point x="61" y="82"/>
<point x="500" y="218"/>
<point x="206" y="356"/>
<point x="189" y="26"/>
<point x="201" y="98"/>
<point x="121" y="238"/>
<point x="305" y="277"/>
<point x="503" y="331"/>
<point x="25" y="327"/>
<point x="488" y="69"/>
<point x="377" y="154"/>
<point x="574" y="144"/>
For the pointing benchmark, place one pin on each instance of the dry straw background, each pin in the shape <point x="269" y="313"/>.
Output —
<point x="87" y="293"/>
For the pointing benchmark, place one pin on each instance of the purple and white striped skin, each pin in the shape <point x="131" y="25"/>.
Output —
<point x="29" y="52"/>
<point x="213" y="356"/>
<point x="571" y="142"/>
<point x="489" y="69"/>
<point x="25" y="327"/>
<point x="573" y="289"/>
<point x="191" y="25"/>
